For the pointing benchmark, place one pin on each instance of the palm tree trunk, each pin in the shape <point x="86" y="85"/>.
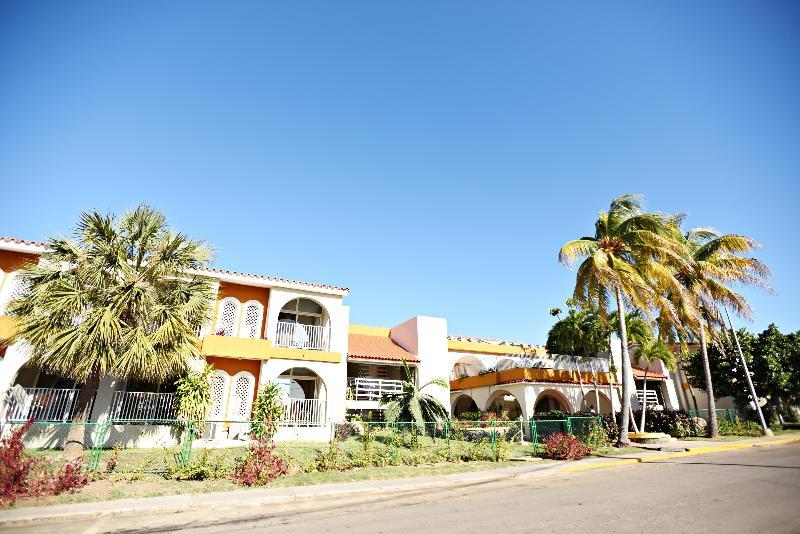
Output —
<point x="713" y="428"/>
<point x="644" y="398"/>
<point x="74" y="445"/>
<point x="623" y="440"/>
<point x="580" y="381"/>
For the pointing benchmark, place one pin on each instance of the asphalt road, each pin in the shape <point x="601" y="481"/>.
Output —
<point x="751" y="490"/>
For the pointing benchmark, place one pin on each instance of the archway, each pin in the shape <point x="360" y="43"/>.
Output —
<point x="305" y="396"/>
<point x="503" y="402"/>
<point x="462" y="404"/>
<point x="589" y="403"/>
<point x="303" y="323"/>
<point x="551" y="400"/>
<point x="466" y="366"/>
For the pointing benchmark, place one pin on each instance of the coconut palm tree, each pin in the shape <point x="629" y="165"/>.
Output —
<point x="650" y="352"/>
<point x="117" y="298"/>
<point x="628" y="257"/>
<point x="716" y="264"/>
<point x="411" y="405"/>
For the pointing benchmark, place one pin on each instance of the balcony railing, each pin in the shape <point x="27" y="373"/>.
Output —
<point x="372" y="389"/>
<point x="45" y="404"/>
<point x="302" y="336"/>
<point x="652" y="396"/>
<point x="141" y="406"/>
<point x="304" y="412"/>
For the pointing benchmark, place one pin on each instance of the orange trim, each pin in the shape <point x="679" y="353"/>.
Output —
<point x="508" y="376"/>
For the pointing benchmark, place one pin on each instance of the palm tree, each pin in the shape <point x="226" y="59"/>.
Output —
<point x="627" y="259"/>
<point x="715" y="264"/>
<point x="411" y="405"/>
<point x="651" y="351"/>
<point x="118" y="298"/>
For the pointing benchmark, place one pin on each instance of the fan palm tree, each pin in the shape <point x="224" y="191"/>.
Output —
<point x="411" y="405"/>
<point x="627" y="259"/>
<point x="715" y="265"/>
<point x="119" y="299"/>
<point x="650" y="352"/>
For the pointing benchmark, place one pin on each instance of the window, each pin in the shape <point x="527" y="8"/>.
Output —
<point x="228" y="317"/>
<point x="251" y="320"/>
<point x="302" y="311"/>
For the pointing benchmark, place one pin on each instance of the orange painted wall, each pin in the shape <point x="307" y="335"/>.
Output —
<point x="11" y="261"/>
<point x="233" y="366"/>
<point x="242" y="294"/>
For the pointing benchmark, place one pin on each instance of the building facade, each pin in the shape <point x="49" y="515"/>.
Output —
<point x="298" y="335"/>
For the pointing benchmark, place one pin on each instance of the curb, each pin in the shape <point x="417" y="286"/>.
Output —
<point x="257" y="497"/>
<point x="695" y="452"/>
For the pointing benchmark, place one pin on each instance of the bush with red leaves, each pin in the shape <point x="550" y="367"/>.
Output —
<point x="261" y="465"/>
<point x="24" y="476"/>
<point x="562" y="446"/>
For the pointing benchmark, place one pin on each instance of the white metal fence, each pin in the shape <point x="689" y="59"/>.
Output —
<point x="652" y="396"/>
<point x="304" y="412"/>
<point x="302" y="336"/>
<point x="143" y="406"/>
<point x="45" y="404"/>
<point x="372" y="389"/>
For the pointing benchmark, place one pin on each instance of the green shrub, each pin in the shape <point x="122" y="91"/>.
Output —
<point x="676" y="423"/>
<point x="193" y="396"/>
<point x="267" y="411"/>
<point x="739" y="427"/>
<point x="596" y="436"/>
<point x="207" y="467"/>
<point x="562" y="446"/>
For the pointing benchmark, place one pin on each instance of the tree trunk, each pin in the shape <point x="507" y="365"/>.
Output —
<point x="74" y="445"/>
<point x="712" y="431"/>
<point x="580" y="381"/>
<point x="623" y="440"/>
<point x="644" y="398"/>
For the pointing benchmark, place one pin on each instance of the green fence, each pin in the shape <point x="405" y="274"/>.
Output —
<point x="578" y="426"/>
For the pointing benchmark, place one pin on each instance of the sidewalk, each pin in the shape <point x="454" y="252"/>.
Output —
<point x="276" y="496"/>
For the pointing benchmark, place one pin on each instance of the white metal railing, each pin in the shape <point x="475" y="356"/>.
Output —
<point x="652" y="396"/>
<point x="142" y="406"/>
<point x="372" y="389"/>
<point x="304" y="412"/>
<point x="45" y="404"/>
<point x="302" y="336"/>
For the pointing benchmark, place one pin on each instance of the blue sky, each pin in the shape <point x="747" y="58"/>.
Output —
<point x="433" y="157"/>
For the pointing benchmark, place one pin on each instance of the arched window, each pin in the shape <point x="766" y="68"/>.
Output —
<point x="302" y="311"/>
<point x="227" y="317"/>
<point x="219" y="394"/>
<point x="252" y="313"/>
<point x="241" y="397"/>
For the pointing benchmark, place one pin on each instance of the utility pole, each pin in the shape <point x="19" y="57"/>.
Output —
<point x="764" y="427"/>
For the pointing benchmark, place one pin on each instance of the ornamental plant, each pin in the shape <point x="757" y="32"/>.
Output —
<point x="260" y="466"/>
<point x="193" y="395"/>
<point x="562" y="446"/>
<point x="267" y="411"/>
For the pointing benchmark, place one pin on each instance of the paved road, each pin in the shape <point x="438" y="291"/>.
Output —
<point x="751" y="490"/>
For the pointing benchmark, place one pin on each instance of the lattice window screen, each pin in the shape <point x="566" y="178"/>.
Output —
<point x="251" y="320"/>
<point x="241" y="398"/>
<point x="218" y="391"/>
<point x="227" y="317"/>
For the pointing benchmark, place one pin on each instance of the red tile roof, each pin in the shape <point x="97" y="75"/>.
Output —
<point x="366" y="347"/>
<point x="22" y="241"/>
<point x="638" y="374"/>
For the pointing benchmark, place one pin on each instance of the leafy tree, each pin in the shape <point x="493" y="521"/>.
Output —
<point x="267" y="410"/>
<point x="119" y="297"/>
<point x="631" y="258"/>
<point x="411" y="405"/>
<point x="193" y="395"/>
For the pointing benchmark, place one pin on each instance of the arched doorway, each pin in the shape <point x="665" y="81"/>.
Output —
<point x="463" y="404"/>
<point x="305" y="396"/>
<point x="231" y="402"/>
<point x="503" y="402"/>
<point x="550" y="401"/>
<point x="303" y="323"/>
<point x="589" y="403"/>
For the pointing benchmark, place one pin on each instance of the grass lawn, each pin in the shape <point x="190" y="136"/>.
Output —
<point x="141" y="472"/>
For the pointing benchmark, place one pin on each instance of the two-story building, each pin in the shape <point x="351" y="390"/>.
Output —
<point x="298" y="334"/>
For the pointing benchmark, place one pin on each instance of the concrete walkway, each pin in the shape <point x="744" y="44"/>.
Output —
<point x="276" y="496"/>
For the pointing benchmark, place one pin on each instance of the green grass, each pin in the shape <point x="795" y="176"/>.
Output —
<point x="616" y="451"/>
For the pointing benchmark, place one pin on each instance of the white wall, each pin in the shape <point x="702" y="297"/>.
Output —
<point x="333" y="375"/>
<point x="426" y="338"/>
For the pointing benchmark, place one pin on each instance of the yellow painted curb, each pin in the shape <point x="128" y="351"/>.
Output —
<point x="671" y="455"/>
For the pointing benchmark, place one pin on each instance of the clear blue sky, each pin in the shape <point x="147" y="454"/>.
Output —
<point x="431" y="156"/>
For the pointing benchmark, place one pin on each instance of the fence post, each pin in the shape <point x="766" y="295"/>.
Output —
<point x="569" y="425"/>
<point x="730" y="415"/>
<point x="447" y="431"/>
<point x="98" y="440"/>
<point x="534" y="433"/>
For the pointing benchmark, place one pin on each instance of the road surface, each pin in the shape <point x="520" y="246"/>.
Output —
<point x="749" y="490"/>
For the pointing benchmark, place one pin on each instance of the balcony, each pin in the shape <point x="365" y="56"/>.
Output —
<point x="302" y="336"/>
<point x="140" y="406"/>
<point x="366" y="393"/>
